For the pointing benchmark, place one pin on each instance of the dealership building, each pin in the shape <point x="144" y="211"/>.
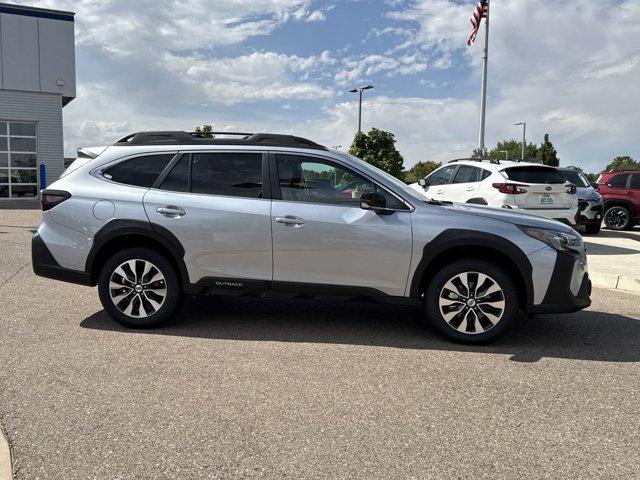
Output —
<point x="37" y="79"/>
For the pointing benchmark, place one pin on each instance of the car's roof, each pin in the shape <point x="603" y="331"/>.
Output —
<point x="497" y="165"/>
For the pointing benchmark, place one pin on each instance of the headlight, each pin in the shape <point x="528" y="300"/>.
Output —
<point x="555" y="238"/>
<point x="596" y="197"/>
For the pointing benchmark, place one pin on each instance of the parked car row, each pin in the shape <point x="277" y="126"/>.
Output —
<point x="562" y="194"/>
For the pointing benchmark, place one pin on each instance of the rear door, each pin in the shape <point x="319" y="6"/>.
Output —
<point x="218" y="206"/>
<point x="544" y="188"/>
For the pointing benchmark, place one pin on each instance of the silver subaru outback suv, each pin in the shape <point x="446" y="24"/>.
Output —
<point x="160" y="215"/>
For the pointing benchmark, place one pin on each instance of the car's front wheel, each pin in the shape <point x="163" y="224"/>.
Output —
<point x="139" y="288"/>
<point x="472" y="301"/>
<point x="617" y="218"/>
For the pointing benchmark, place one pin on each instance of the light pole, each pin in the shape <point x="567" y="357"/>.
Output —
<point x="524" y="136"/>
<point x="506" y="154"/>
<point x="359" y="91"/>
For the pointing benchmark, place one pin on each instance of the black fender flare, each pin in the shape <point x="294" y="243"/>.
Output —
<point x="120" y="228"/>
<point x="454" y="238"/>
<point x="620" y="202"/>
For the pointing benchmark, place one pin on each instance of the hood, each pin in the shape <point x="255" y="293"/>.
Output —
<point x="585" y="193"/>
<point x="510" y="216"/>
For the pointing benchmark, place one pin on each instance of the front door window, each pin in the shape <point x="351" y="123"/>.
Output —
<point x="308" y="179"/>
<point x="18" y="160"/>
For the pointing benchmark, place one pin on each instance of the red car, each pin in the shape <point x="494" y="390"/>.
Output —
<point x="620" y="190"/>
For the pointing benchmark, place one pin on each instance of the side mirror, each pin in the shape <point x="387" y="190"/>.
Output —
<point x="595" y="185"/>
<point x="422" y="182"/>
<point x="375" y="201"/>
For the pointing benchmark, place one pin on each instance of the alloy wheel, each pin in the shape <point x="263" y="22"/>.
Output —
<point x="471" y="302"/>
<point x="137" y="288"/>
<point x="616" y="217"/>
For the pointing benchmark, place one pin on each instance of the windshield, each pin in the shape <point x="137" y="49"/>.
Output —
<point x="576" y="177"/>
<point x="399" y="184"/>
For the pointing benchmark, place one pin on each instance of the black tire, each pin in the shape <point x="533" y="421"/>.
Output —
<point x="150" y="300"/>
<point x="618" y="217"/>
<point x="592" y="229"/>
<point x="482" y="315"/>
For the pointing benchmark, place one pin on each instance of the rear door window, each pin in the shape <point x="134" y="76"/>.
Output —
<point x="466" y="174"/>
<point x="619" y="181"/>
<point x="139" y="171"/>
<point x="635" y="181"/>
<point x="534" y="175"/>
<point x="230" y="174"/>
<point x="178" y="178"/>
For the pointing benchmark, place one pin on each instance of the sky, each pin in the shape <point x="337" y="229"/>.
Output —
<point x="567" y="68"/>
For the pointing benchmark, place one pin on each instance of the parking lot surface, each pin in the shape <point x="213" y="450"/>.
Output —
<point x="246" y="388"/>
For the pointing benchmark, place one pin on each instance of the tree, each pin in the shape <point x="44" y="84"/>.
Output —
<point x="420" y="170"/>
<point x="547" y="154"/>
<point x="622" y="163"/>
<point x="378" y="148"/>
<point x="514" y="151"/>
<point x="205" y="131"/>
<point x="592" y="177"/>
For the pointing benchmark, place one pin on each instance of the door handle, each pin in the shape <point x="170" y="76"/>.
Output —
<point x="171" y="211"/>
<point x="629" y="193"/>
<point x="470" y="189"/>
<point x="439" y="191"/>
<point x="290" y="220"/>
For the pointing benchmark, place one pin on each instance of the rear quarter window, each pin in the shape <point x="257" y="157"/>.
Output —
<point x="140" y="171"/>
<point x="534" y="175"/>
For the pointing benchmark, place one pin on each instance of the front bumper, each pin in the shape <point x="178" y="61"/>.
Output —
<point x="570" y="287"/>
<point x="45" y="265"/>
<point x="591" y="212"/>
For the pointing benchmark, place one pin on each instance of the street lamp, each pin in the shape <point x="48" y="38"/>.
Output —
<point x="524" y="136"/>
<point x="506" y="154"/>
<point x="359" y="91"/>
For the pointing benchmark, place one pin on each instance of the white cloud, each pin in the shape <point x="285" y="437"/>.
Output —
<point x="128" y="27"/>
<point x="258" y="76"/>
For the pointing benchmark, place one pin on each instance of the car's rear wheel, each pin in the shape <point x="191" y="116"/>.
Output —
<point x="139" y="288"/>
<point x="472" y="301"/>
<point x="617" y="218"/>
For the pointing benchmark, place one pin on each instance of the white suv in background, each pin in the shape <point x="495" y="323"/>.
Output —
<point x="528" y="187"/>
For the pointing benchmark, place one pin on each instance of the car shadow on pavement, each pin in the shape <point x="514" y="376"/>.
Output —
<point x="601" y="249"/>
<point x="586" y="335"/>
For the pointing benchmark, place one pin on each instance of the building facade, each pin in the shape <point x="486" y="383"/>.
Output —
<point x="37" y="79"/>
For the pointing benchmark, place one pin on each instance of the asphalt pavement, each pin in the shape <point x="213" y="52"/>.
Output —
<point x="266" y="388"/>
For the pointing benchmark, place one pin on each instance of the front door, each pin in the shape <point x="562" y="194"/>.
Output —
<point x="439" y="181"/>
<point x="214" y="203"/>
<point x="464" y="184"/>
<point x="321" y="236"/>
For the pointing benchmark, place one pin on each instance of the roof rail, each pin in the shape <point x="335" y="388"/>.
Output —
<point x="624" y="170"/>
<point x="197" y="138"/>
<point x="490" y="160"/>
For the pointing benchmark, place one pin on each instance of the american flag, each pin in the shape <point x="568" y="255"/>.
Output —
<point x="481" y="11"/>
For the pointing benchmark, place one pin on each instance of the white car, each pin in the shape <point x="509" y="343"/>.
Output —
<point x="527" y="187"/>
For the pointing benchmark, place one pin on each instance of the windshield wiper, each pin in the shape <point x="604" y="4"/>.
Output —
<point x="433" y="201"/>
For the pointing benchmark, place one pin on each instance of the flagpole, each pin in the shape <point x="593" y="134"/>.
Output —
<point x="483" y="98"/>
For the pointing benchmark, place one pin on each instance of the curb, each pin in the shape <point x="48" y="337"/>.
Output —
<point x="6" y="472"/>
<point x="615" y="282"/>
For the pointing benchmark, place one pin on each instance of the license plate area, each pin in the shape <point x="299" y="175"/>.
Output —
<point x="545" y="199"/>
